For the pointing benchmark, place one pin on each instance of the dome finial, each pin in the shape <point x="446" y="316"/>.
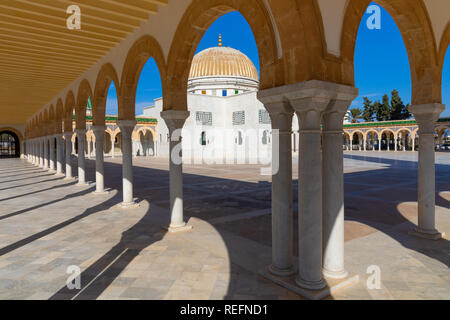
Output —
<point x="220" y="40"/>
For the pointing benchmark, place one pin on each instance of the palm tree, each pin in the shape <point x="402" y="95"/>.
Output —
<point x="355" y="115"/>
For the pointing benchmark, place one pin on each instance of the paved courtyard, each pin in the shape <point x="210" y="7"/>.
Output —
<point x="48" y="224"/>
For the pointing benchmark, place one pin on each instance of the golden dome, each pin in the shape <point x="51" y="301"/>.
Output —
<point x="222" y="61"/>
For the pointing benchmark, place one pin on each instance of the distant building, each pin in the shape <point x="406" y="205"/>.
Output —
<point x="225" y="114"/>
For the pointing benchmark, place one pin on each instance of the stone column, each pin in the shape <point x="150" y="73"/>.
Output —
<point x="52" y="153"/>
<point x="112" y="148"/>
<point x="46" y="153"/>
<point x="99" y="132"/>
<point x="89" y="148"/>
<point x="364" y="144"/>
<point x="310" y="194"/>
<point x="81" y="135"/>
<point x="33" y="151"/>
<point x="414" y="143"/>
<point x="68" y="136"/>
<point x="175" y="121"/>
<point x="41" y="154"/>
<point x="395" y="144"/>
<point x="426" y="115"/>
<point x="126" y="128"/>
<point x="281" y="114"/>
<point x="36" y="152"/>
<point x="333" y="185"/>
<point x="59" y="153"/>
<point x="379" y="144"/>
<point x="73" y="146"/>
<point x="351" y="143"/>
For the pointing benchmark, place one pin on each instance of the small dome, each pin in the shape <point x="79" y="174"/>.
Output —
<point x="222" y="61"/>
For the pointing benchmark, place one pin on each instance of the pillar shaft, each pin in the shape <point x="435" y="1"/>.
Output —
<point x="59" y="154"/>
<point x="126" y="128"/>
<point x="99" y="132"/>
<point x="426" y="116"/>
<point x="281" y="114"/>
<point x="175" y="121"/>
<point x="45" y="153"/>
<point x="310" y="197"/>
<point x="68" y="136"/>
<point x="81" y="135"/>
<point x="333" y="188"/>
<point x="52" y="153"/>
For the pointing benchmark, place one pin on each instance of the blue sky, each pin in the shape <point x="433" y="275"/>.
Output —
<point x="381" y="61"/>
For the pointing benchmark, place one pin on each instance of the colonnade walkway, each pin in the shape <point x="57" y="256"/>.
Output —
<point x="48" y="224"/>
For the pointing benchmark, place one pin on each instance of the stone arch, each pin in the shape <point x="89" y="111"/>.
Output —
<point x="69" y="107"/>
<point x="443" y="47"/>
<point x="403" y="129"/>
<point x="197" y="19"/>
<point x="15" y="131"/>
<point x="51" y="120"/>
<point x="18" y="139"/>
<point x="107" y="142"/>
<point x="144" y="132"/>
<point x="45" y="123"/>
<point x="105" y="77"/>
<point x="415" y="27"/>
<point x="84" y="92"/>
<point x="110" y="132"/>
<point x="352" y="134"/>
<point x="388" y="130"/>
<point x="59" y="111"/>
<point x="115" y="133"/>
<point x="90" y="136"/>
<point x="40" y="125"/>
<point x="371" y="131"/>
<point x="141" y="51"/>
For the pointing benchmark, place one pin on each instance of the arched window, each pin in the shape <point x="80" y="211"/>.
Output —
<point x="203" y="139"/>
<point x="265" y="137"/>
<point x="239" y="138"/>
<point x="9" y="145"/>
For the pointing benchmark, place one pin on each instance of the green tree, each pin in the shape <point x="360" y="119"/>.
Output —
<point x="383" y="109"/>
<point x="368" y="110"/>
<point x="355" y="114"/>
<point x="398" y="109"/>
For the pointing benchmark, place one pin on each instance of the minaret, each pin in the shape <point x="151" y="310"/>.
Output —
<point x="220" y="40"/>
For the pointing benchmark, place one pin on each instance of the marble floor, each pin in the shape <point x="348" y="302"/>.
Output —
<point x="48" y="224"/>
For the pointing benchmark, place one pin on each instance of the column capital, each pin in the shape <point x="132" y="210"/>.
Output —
<point x="126" y="123"/>
<point x="427" y="115"/>
<point x="98" y="129"/>
<point x="175" y="119"/>
<point x="310" y="99"/>
<point x="280" y="111"/>
<point x="68" y="134"/>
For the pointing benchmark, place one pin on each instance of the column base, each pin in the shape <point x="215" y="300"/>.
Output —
<point x="69" y="178"/>
<point x="178" y="228"/>
<point x="101" y="193"/>
<point x="426" y="234"/>
<point x="281" y="272"/>
<point x="129" y="205"/>
<point x="82" y="184"/>
<point x="335" y="274"/>
<point x="332" y="286"/>
<point x="310" y="285"/>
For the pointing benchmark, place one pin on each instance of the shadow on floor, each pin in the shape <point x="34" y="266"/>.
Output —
<point x="223" y="196"/>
